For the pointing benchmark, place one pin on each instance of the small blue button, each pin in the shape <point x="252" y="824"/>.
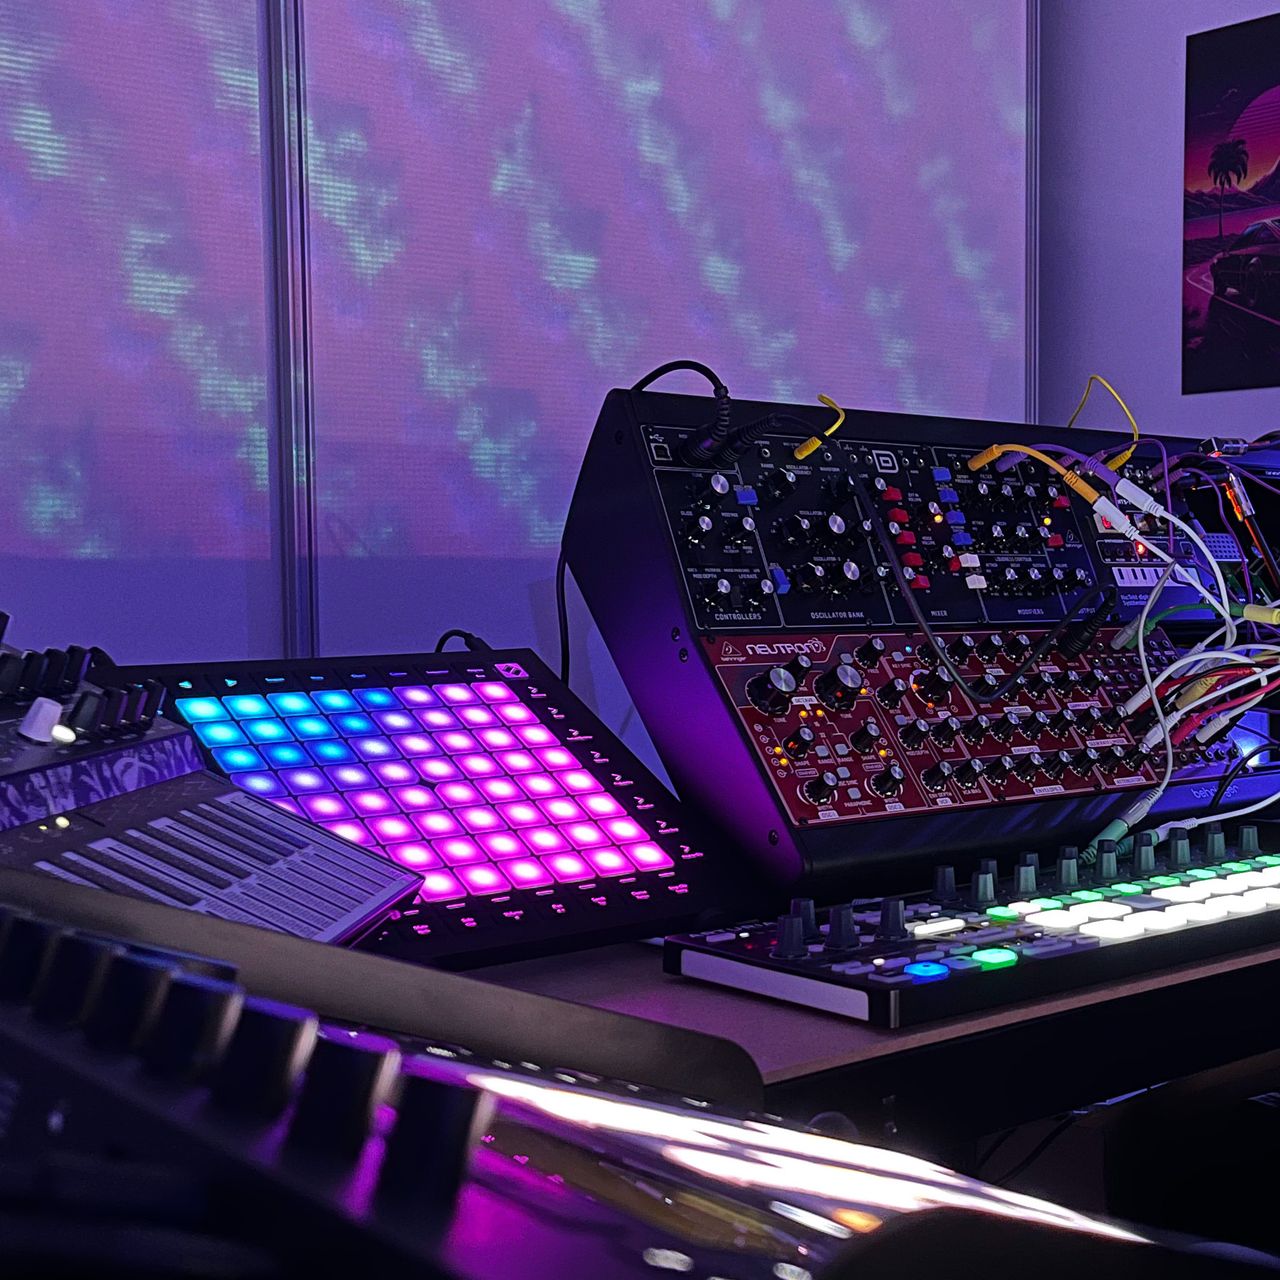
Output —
<point x="948" y="495"/>
<point x="311" y="727"/>
<point x="962" y="539"/>
<point x="955" y="517"/>
<point x="267" y="730"/>
<point x="284" y="754"/>
<point x="330" y="751"/>
<point x="377" y="698"/>
<point x="746" y="496"/>
<point x="246" y="705"/>
<point x="218" y="733"/>
<point x="193" y="709"/>
<point x="354" y="723"/>
<point x="781" y="583"/>
<point x="237" y="759"/>
<point x="927" y="971"/>
<point x="291" y="704"/>
<point x="942" y="474"/>
<point x="335" y="700"/>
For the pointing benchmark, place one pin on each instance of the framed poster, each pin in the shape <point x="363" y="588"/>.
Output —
<point x="1231" y="209"/>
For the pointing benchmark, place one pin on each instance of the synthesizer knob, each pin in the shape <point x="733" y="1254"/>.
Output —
<point x="800" y="743"/>
<point x="1113" y="759"/>
<point x="914" y="734"/>
<point x="1007" y="726"/>
<point x="76" y="668"/>
<point x="87" y="712"/>
<point x="794" y="530"/>
<point x="891" y="693"/>
<point x="26" y="948"/>
<point x="41" y="717"/>
<point x="1036" y="725"/>
<point x="31" y="676"/>
<point x="1247" y="841"/>
<point x="991" y="646"/>
<point x="1062" y="724"/>
<point x="1144" y="853"/>
<point x="870" y="651"/>
<point x="820" y="789"/>
<point x="838" y="686"/>
<point x="799" y="667"/>
<point x="1107" y="866"/>
<point x="936" y="687"/>
<point x="867" y="738"/>
<point x="699" y="530"/>
<point x="985" y="686"/>
<point x="443" y="1117"/>
<point x="1056" y="764"/>
<point x="944" y="884"/>
<point x="888" y="782"/>
<point x="112" y="710"/>
<point x="790" y="944"/>
<point x="10" y="674"/>
<point x="848" y="575"/>
<point x="265" y="1058"/>
<point x="831" y="532"/>
<point x="998" y="770"/>
<point x="982" y="890"/>
<point x="1215" y="843"/>
<point x="1027" y="766"/>
<point x="976" y="729"/>
<point x="804" y="908"/>
<point x="893" y="921"/>
<point x="810" y="578"/>
<point x="842" y="929"/>
<point x="132" y="995"/>
<point x="347" y="1081"/>
<point x="1024" y="880"/>
<point x="1089" y="681"/>
<point x="962" y="647"/>
<point x="75" y="975"/>
<point x="968" y="772"/>
<point x="938" y="775"/>
<point x="194" y="1025"/>
<point x="1017" y="646"/>
<point x="945" y="732"/>
<point x="1084" y="761"/>
<point x="55" y="670"/>
<point x="1040" y="683"/>
<point x="927" y="655"/>
<point x="1067" y="873"/>
<point x="714" y="492"/>
<point x="780" y="484"/>
<point x="1179" y="849"/>
<point x="718" y="597"/>
<point x="771" y="691"/>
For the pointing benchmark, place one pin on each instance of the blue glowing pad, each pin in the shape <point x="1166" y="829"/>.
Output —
<point x="356" y="723"/>
<point x="238" y="759"/>
<point x="194" y="709"/>
<point x="292" y="704"/>
<point x="261" y="784"/>
<point x="311" y="727"/>
<point x="284" y="754"/>
<point x="335" y="700"/>
<point x="244" y="706"/>
<point x="267" y="731"/>
<point x="329" y="751"/>
<point x="377" y="698"/>
<point x="218" y="733"/>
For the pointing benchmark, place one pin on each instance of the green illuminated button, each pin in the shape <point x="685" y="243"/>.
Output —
<point x="1270" y="859"/>
<point x="1166" y="882"/>
<point x="1046" y="904"/>
<point x="1202" y="873"/>
<point x="1086" y="895"/>
<point x="1236" y="866"/>
<point x="1127" y="888"/>
<point x="994" y="957"/>
<point x="1002" y="913"/>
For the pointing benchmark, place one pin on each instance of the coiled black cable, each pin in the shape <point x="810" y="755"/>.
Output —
<point x="700" y="447"/>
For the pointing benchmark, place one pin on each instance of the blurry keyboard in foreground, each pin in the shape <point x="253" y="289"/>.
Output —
<point x="531" y="828"/>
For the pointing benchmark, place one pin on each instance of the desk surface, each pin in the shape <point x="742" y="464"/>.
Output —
<point x="787" y="1042"/>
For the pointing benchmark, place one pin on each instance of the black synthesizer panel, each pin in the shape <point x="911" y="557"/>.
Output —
<point x="762" y="595"/>
<point x="527" y="826"/>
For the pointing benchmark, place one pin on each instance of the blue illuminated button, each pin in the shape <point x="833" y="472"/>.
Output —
<point x="261" y="784"/>
<point x="283" y="755"/>
<point x="193" y="709"/>
<point x="236" y="759"/>
<point x="355" y="723"/>
<point x="311" y="727"/>
<point x="942" y="475"/>
<point x="330" y="751"/>
<point x="218" y="733"/>
<point x="961" y="538"/>
<point x="377" y="698"/>
<point x="927" y="970"/>
<point x="245" y="706"/>
<point x="267" y="731"/>
<point x="955" y="517"/>
<point x="335" y="700"/>
<point x="948" y="495"/>
<point x="375" y="748"/>
<point x="291" y="704"/>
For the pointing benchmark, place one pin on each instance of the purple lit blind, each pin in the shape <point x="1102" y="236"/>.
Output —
<point x="518" y="204"/>
<point x="133" y="357"/>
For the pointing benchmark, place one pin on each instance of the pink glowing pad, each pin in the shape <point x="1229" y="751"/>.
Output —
<point x="459" y="849"/>
<point x="568" y="867"/>
<point x="483" y="879"/>
<point x="356" y="832"/>
<point x="320" y="808"/>
<point x="648" y="857"/>
<point x="415" y="855"/>
<point x="609" y="862"/>
<point x="501" y="845"/>
<point x="528" y="873"/>
<point x="439" y="885"/>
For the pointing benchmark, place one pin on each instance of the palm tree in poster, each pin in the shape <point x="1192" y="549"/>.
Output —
<point x="1228" y="164"/>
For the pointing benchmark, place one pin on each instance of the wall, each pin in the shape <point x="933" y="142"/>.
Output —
<point x="1111" y="168"/>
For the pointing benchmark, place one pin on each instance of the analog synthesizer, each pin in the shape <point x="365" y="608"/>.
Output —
<point x="881" y="653"/>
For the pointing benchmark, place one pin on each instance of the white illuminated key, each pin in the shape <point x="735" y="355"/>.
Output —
<point x="1159" y="921"/>
<point x="1194" y="892"/>
<point x="1204" y="912"/>
<point x="1023" y="908"/>
<point x="1102" y="910"/>
<point x="933" y="928"/>
<point x="1230" y="884"/>
<point x="1268" y="875"/>
<point x="1055" y="921"/>
<point x="1268" y="897"/>
<point x="1242" y="880"/>
<point x="1115" y="930"/>
<point x="1238" y="904"/>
